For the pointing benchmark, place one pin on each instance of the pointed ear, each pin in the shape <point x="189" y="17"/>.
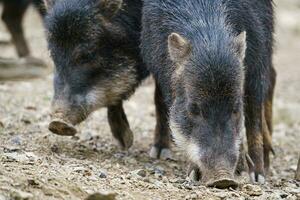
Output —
<point x="179" y="48"/>
<point x="241" y="44"/>
<point x="110" y="7"/>
<point x="49" y="4"/>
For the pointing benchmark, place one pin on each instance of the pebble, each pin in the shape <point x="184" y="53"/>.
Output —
<point x="32" y="182"/>
<point x="252" y="190"/>
<point x="159" y="170"/>
<point x="86" y="136"/>
<point x="15" y="157"/>
<point x="139" y="172"/>
<point x="79" y="169"/>
<point x="10" y="149"/>
<point x="103" y="174"/>
<point x="101" y="196"/>
<point x="54" y="148"/>
<point x="16" y="140"/>
<point x="131" y="161"/>
<point x="222" y="195"/>
<point x="158" y="184"/>
<point x="177" y="180"/>
<point x="192" y="196"/>
<point x="21" y="195"/>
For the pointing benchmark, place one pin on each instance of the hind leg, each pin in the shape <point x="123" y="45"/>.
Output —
<point x="13" y="13"/>
<point x="255" y="89"/>
<point x="268" y="124"/>
<point x="162" y="138"/>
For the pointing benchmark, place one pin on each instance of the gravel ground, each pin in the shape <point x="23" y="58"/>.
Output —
<point x="35" y="164"/>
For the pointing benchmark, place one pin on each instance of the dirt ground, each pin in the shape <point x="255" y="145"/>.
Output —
<point x="35" y="164"/>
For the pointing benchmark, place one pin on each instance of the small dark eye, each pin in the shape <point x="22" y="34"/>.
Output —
<point x="193" y="109"/>
<point x="235" y="111"/>
<point x="85" y="58"/>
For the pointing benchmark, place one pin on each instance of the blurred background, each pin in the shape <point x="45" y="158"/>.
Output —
<point x="35" y="163"/>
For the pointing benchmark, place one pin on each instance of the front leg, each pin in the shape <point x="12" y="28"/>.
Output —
<point x="119" y="126"/>
<point x="162" y="138"/>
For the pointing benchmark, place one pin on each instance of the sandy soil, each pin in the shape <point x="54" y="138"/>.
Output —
<point x="35" y="164"/>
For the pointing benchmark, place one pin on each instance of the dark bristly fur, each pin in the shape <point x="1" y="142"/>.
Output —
<point x="95" y="47"/>
<point x="213" y="83"/>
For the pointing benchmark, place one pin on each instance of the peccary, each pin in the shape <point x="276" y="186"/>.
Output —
<point x="212" y="60"/>
<point x="95" y="48"/>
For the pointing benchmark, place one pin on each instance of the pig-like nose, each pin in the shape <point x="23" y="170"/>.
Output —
<point x="220" y="178"/>
<point x="73" y="114"/>
<point x="61" y="123"/>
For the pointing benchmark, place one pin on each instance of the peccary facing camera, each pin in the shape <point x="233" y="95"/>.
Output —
<point x="212" y="60"/>
<point x="95" y="48"/>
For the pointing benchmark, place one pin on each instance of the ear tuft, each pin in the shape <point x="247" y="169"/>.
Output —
<point x="241" y="44"/>
<point x="110" y="7"/>
<point x="49" y="4"/>
<point x="179" y="48"/>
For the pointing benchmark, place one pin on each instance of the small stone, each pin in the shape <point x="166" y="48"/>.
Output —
<point x="54" y="148"/>
<point x="194" y="196"/>
<point x="140" y="173"/>
<point x="158" y="184"/>
<point x="159" y="170"/>
<point x="131" y="161"/>
<point x="16" y="140"/>
<point x="102" y="174"/>
<point x="187" y="185"/>
<point x="79" y="169"/>
<point x="30" y="108"/>
<point x="252" y="190"/>
<point x="295" y="190"/>
<point x="26" y="121"/>
<point x="165" y="179"/>
<point x="86" y="136"/>
<point x="222" y="195"/>
<point x="1" y="124"/>
<point x="15" y="157"/>
<point x="20" y="195"/>
<point x="176" y="180"/>
<point x="32" y="182"/>
<point x="10" y="149"/>
<point x="100" y="196"/>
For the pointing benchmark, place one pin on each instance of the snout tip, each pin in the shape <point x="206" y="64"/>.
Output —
<point x="62" y="128"/>
<point x="223" y="183"/>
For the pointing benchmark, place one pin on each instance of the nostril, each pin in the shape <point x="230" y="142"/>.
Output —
<point x="220" y="178"/>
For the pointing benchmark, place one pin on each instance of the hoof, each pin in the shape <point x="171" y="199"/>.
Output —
<point x="223" y="183"/>
<point x="257" y="179"/>
<point x="126" y="140"/>
<point x="194" y="173"/>
<point x="62" y="128"/>
<point x="158" y="153"/>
